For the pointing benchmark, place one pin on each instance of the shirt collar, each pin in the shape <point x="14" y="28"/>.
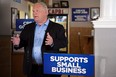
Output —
<point x="46" y="23"/>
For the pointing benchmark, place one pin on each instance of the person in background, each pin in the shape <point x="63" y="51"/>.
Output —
<point x="38" y="37"/>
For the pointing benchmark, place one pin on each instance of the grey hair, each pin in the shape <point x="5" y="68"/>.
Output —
<point x="43" y="5"/>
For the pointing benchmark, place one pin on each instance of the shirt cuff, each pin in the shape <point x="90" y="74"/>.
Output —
<point x="52" y="45"/>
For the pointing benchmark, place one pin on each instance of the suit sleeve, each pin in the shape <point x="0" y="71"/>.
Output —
<point x="23" y="38"/>
<point x="61" y="40"/>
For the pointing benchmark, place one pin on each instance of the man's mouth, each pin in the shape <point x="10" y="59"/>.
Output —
<point x="35" y="16"/>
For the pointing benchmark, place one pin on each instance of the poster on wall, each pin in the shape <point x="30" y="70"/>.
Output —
<point x="80" y="14"/>
<point x="94" y="13"/>
<point x="14" y="16"/>
<point x="20" y="23"/>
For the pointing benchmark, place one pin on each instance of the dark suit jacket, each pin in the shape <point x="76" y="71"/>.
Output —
<point x="27" y="39"/>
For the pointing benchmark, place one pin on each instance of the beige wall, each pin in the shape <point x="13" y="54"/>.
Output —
<point x="82" y="4"/>
<point x="23" y="6"/>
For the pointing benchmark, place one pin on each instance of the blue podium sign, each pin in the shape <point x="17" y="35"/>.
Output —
<point x="20" y="23"/>
<point x="69" y="64"/>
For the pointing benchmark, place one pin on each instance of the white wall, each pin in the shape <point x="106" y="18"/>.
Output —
<point x="105" y="40"/>
<point x="105" y="52"/>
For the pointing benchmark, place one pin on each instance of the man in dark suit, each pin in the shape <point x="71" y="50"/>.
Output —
<point x="38" y="37"/>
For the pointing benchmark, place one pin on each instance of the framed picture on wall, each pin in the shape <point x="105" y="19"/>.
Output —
<point x="14" y="16"/>
<point x="56" y="5"/>
<point x="94" y="13"/>
<point x="64" y="4"/>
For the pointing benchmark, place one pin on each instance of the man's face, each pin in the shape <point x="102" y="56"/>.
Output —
<point x="39" y="13"/>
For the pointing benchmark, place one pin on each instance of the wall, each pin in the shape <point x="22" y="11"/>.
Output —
<point x="105" y="51"/>
<point x="5" y="49"/>
<point x="83" y="27"/>
<point x="5" y="17"/>
<point x="23" y="6"/>
<point x="5" y="34"/>
<point x="5" y="56"/>
<point x="82" y="4"/>
<point x="81" y="43"/>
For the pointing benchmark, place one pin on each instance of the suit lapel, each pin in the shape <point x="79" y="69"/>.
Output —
<point x="47" y="30"/>
<point x="49" y="27"/>
<point x="32" y="32"/>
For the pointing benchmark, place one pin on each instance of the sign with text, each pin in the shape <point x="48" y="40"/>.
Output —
<point x="58" y="11"/>
<point x="69" y="64"/>
<point x="20" y="23"/>
<point x="80" y="14"/>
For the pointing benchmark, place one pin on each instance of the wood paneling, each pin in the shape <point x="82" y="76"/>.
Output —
<point x="81" y="41"/>
<point x="5" y="56"/>
<point x="17" y="65"/>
